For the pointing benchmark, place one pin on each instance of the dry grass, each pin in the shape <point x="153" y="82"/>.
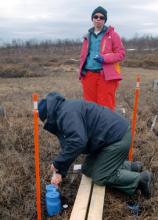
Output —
<point x="17" y="177"/>
<point x="147" y="60"/>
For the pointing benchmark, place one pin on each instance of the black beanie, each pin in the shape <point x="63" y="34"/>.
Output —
<point x="100" y="10"/>
<point x="42" y="109"/>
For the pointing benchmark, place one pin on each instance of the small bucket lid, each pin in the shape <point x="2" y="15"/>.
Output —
<point x="52" y="191"/>
<point x="51" y="187"/>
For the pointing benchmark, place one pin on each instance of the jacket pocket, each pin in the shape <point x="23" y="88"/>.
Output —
<point x="111" y="71"/>
<point x="117" y="67"/>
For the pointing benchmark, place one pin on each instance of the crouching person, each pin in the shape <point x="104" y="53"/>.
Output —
<point x="87" y="128"/>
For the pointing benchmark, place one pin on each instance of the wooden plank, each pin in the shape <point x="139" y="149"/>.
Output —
<point x="82" y="199"/>
<point x="97" y="203"/>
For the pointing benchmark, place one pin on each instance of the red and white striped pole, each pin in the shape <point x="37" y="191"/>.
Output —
<point x="135" y="109"/>
<point x="36" y="156"/>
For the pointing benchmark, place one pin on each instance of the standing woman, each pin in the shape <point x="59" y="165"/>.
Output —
<point x="101" y="52"/>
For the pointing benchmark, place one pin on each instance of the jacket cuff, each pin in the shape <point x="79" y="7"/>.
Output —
<point x="61" y="171"/>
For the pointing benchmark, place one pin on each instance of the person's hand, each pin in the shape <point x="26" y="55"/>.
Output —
<point x="56" y="179"/>
<point x="99" y="59"/>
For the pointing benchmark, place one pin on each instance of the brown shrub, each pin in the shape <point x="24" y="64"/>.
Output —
<point x="20" y="70"/>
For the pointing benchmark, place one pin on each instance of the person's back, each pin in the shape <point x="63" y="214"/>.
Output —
<point x="102" y="126"/>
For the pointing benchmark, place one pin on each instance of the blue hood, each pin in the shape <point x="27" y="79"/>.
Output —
<point x="48" y="108"/>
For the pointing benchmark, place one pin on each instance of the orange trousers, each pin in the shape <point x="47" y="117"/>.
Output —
<point x="97" y="89"/>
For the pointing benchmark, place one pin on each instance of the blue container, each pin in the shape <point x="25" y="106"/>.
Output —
<point x="53" y="202"/>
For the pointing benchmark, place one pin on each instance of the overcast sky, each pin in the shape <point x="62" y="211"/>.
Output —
<point x="60" y="19"/>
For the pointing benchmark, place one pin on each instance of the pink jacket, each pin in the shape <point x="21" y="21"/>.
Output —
<point x="113" y="52"/>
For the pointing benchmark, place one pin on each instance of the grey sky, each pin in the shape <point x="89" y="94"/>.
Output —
<point x="60" y="19"/>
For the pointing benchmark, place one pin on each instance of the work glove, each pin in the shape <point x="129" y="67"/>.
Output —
<point x="99" y="58"/>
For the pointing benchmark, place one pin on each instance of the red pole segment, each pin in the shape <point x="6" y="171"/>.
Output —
<point x="36" y="156"/>
<point x="135" y="109"/>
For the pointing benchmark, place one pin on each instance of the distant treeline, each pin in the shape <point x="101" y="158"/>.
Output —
<point x="142" y="43"/>
<point x="138" y="43"/>
<point x="33" y="43"/>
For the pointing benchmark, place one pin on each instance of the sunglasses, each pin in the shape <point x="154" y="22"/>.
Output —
<point x="100" y="17"/>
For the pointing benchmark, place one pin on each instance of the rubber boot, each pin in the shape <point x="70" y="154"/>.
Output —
<point x="145" y="184"/>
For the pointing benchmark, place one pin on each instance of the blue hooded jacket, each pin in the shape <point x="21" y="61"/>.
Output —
<point x="81" y="127"/>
